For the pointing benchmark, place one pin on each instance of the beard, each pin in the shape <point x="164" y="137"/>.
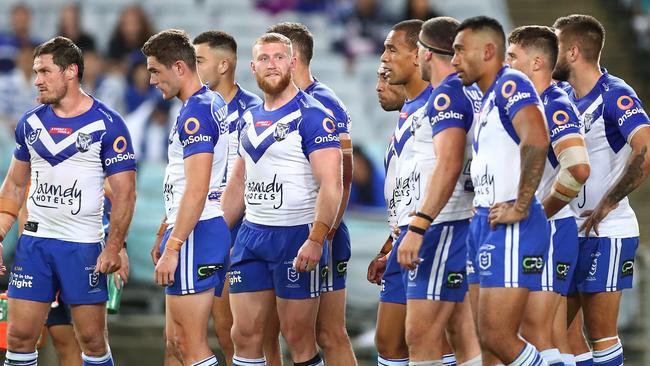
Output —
<point x="276" y="88"/>
<point x="562" y="72"/>
<point x="53" y="97"/>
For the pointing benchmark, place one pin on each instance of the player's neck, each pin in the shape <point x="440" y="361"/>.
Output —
<point x="541" y="81"/>
<point x="583" y="81"/>
<point x="440" y="73"/>
<point x="227" y="88"/>
<point x="275" y="101"/>
<point x="415" y="87"/>
<point x="489" y="76"/>
<point x="302" y="77"/>
<point x="74" y="104"/>
<point x="189" y="86"/>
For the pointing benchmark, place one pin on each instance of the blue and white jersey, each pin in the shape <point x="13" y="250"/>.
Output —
<point x="69" y="158"/>
<point x="389" y="182"/>
<point x="280" y="188"/>
<point x="199" y="127"/>
<point x="333" y="105"/>
<point x="496" y="161"/>
<point x="450" y="105"/>
<point x="413" y="111"/>
<point x="563" y="122"/>
<point x="242" y="101"/>
<point x="611" y="114"/>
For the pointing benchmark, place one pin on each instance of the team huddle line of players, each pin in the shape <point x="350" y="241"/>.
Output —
<point x="502" y="233"/>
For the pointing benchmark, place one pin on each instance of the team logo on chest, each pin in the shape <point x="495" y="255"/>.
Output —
<point x="84" y="141"/>
<point x="281" y="131"/>
<point x="33" y="136"/>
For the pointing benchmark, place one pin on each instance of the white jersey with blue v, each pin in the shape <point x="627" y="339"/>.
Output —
<point x="611" y="114"/>
<point x="280" y="188"/>
<point x="69" y="158"/>
<point x="199" y="128"/>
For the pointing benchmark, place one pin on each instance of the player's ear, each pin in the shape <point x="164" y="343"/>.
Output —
<point x="574" y="52"/>
<point x="252" y="67"/>
<point x="71" y="71"/>
<point x="224" y="66"/>
<point x="538" y="62"/>
<point x="489" y="51"/>
<point x="179" y="67"/>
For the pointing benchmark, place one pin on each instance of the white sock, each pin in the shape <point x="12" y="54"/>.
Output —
<point x="568" y="359"/>
<point x="241" y="361"/>
<point x="381" y="361"/>
<point x="551" y="356"/>
<point x="426" y="363"/>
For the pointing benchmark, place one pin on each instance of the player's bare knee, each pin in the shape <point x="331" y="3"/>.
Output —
<point x="21" y="340"/>
<point x="243" y="335"/>
<point x="92" y="344"/>
<point x="332" y="337"/>
<point x="418" y="334"/>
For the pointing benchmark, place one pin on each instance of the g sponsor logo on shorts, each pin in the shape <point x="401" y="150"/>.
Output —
<point x="446" y="101"/>
<point x="532" y="264"/>
<point x="191" y="125"/>
<point x="455" y="279"/>
<point x="328" y="125"/>
<point x="120" y="144"/>
<point x="207" y="270"/>
<point x="560" y="117"/>
<point x="562" y="270"/>
<point x="341" y="268"/>
<point x="627" y="268"/>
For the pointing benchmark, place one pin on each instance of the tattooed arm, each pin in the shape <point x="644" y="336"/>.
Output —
<point x="634" y="174"/>
<point x="530" y="125"/>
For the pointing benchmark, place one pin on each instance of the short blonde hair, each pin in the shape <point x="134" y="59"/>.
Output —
<point x="267" y="38"/>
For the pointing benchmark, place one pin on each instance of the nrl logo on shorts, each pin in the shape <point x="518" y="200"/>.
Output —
<point x="413" y="274"/>
<point x="83" y="142"/>
<point x="93" y="279"/>
<point x="281" y="130"/>
<point x="484" y="260"/>
<point x="292" y="275"/>
<point x="33" y="136"/>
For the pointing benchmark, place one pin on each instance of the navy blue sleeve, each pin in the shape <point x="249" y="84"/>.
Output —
<point x="515" y="91"/>
<point x="21" y="152"/>
<point x="318" y="131"/>
<point x="622" y="105"/>
<point x="449" y="108"/>
<point x="562" y="119"/>
<point x="199" y="129"/>
<point x="117" y="149"/>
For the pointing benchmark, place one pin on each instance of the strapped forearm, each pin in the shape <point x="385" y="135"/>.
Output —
<point x="572" y="154"/>
<point x="533" y="159"/>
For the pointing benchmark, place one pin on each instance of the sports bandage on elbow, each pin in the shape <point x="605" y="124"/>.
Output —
<point x="318" y="232"/>
<point x="566" y="187"/>
<point x="10" y="207"/>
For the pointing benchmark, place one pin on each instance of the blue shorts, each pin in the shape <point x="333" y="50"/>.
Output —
<point x="562" y="256"/>
<point x="59" y="315"/>
<point x="393" y="283"/>
<point x="441" y="274"/>
<point x="42" y="267"/>
<point x="605" y="264"/>
<point x="234" y="231"/>
<point x="337" y="262"/>
<point x="262" y="259"/>
<point x="203" y="259"/>
<point x="512" y="255"/>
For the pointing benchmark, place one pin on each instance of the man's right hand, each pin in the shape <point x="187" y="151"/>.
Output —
<point x="376" y="268"/>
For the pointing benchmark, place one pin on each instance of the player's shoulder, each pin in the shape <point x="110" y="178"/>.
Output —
<point x="38" y="110"/>
<point x="616" y="90"/>
<point x="555" y="97"/>
<point x="108" y="114"/>
<point x="328" y="98"/>
<point x="204" y="103"/>
<point x="247" y="99"/>
<point x="309" y="106"/>
<point x="510" y="80"/>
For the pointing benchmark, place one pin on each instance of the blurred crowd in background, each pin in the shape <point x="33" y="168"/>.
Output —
<point x="117" y="73"/>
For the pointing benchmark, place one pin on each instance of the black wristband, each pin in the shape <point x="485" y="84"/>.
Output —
<point x="417" y="230"/>
<point x="424" y="216"/>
